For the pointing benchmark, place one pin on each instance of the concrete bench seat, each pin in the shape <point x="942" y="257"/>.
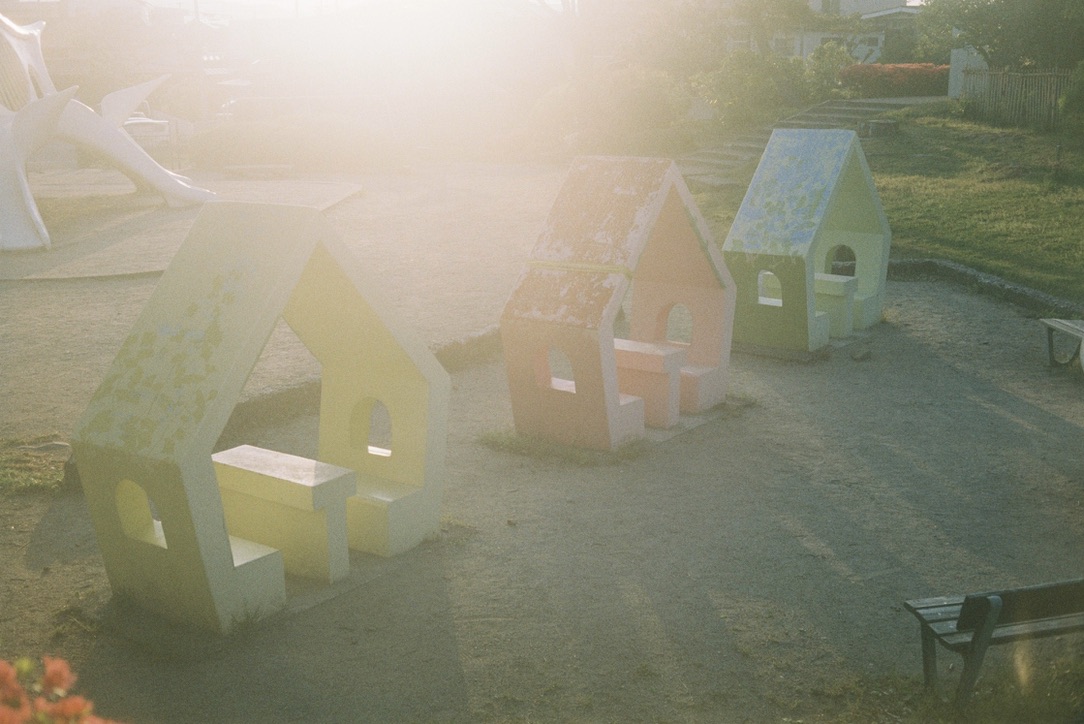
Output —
<point x="247" y="551"/>
<point x="291" y="503"/>
<point x="652" y="372"/>
<point x="834" y="295"/>
<point x="381" y="511"/>
<point x="562" y="385"/>
<point x="699" y="383"/>
<point x="628" y="419"/>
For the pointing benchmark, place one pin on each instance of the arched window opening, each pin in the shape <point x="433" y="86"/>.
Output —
<point x="769" y="290"/>
<point x="624" y="314"/>
<point x="371" y="428"/>
<point x="137" y="516"/>
<point x="679" y="325"/>
<point x="840" y="260"/>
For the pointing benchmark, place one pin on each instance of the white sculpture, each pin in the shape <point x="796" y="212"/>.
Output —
<point x="21" y="134"/>
<point x="31" y="112"/>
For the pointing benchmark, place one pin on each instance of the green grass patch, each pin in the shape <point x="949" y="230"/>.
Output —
<point x="1004" y="201"/>
<point x="509" y="441"/>
<point x="720" y="205"/>
<point x="28" y="466"/>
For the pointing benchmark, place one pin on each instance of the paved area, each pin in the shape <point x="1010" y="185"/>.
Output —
<point x="445" y="243"/>
<point x="136" y="233"/>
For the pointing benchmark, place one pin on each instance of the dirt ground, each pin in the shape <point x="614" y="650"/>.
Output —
<point x="748" y="566"/>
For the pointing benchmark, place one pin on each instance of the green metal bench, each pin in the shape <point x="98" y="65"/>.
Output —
<point x="969" y="625"/>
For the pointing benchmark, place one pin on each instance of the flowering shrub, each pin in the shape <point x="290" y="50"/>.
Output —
<point x="29" y="696"/>
<point x="876" y="80"/>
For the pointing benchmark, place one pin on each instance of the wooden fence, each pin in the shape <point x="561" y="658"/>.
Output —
<point x="1017" y="99"/>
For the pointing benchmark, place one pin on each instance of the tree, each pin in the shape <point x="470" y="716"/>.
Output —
<point x="765" y="18"/>
<point x="1009" y="33"/>
<point x="683" y="37"/>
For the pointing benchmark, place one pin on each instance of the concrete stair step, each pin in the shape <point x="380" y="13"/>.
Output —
<point x="841" y="114"/>
<point x="860" y="106"/>
<point x="712" y="180"/>
<point x="837" y="114"/>
<point x="725" y="156"/>
<point x="816" y="123"/>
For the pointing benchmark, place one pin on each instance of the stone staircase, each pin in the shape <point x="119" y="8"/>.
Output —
<point x="839" y="114"/>
<point x="724" y="165"/>
<point x="727" y="164"/>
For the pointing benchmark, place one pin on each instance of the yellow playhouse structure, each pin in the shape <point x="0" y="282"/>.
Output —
<point x="809" y="246"/>
<point x="616" y="223"/>
<point x="206" y="538"/>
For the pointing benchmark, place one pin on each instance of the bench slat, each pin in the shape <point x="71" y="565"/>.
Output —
<point x="1034" y="611"/>
<point x="955" y="640"/>
<point x="936" y="609"/>
<point x="933" y="604"/>
<point x="1068" y="326"/>
<point x="968" y="625"/>
<point x="1038" y="629"/>
<point x="1025" y="604"/>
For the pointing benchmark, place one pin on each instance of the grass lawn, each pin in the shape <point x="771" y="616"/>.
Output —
<point x="1005" y="201"/>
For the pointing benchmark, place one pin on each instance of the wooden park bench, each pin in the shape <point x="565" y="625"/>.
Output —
<point x="1071" y="327"/>
<point x="970" y="624"/>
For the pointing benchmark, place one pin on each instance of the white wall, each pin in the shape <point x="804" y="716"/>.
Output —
<point x="962" y="59"/>
<point x="850" y="7"/>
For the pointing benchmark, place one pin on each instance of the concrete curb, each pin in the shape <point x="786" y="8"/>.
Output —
<point x="1031" y="299"/>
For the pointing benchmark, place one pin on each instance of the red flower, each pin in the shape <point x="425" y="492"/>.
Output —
<point x="15" y="711"/>
<point x="10" y="689"/>
<point x="68" y="709"/>
<point x="52" y="705"/>
<point x="57" y="677"/>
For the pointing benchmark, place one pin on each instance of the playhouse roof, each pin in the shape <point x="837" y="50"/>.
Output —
<point x="594" y="236"/>
<point x="803" y="176"/>
<point x="173" y="385"/>
<point x="604" y="211"/>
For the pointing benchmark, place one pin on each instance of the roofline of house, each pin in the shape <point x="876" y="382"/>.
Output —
<point x="908" y="10"/>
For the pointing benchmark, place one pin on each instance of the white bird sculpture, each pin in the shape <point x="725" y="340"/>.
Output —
<point x="31" y="114"/>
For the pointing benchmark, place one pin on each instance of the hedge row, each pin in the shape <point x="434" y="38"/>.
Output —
<point x="896" y="81"/>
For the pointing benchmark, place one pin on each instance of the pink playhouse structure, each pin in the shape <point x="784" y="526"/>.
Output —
<point x="618" y="225"/>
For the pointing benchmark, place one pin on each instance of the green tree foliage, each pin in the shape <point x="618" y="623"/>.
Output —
<point x="683" y="37"/>
<point x="1009" y="33"/>
<point x="823" y="68"/>
<point x="689" y="37"/>
<point x="750" y="88"/>
<point x="765" y="18"/>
